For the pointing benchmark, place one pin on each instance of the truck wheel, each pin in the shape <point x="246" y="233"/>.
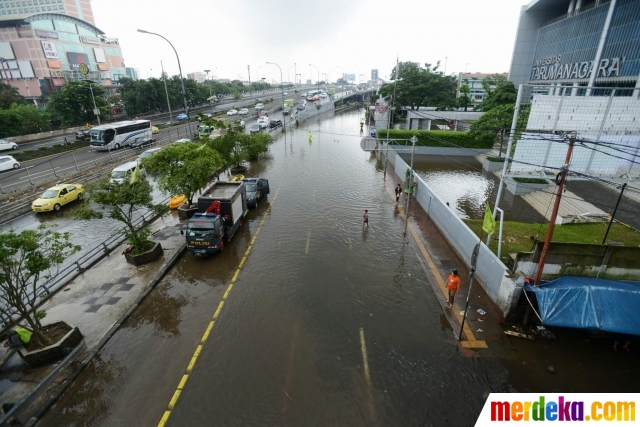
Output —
<point x="221" y="245"/>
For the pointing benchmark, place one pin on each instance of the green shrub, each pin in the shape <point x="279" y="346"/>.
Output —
<point x="531" y="180"/>
<point x="496" y="159"/>
<point x="441" y="138"/>
<point x="43" y="148"/>
<point x="56" y="145"/>
<point x="27" y="152"/>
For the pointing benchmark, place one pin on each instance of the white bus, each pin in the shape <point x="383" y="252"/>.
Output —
<point x="119" y="134"/>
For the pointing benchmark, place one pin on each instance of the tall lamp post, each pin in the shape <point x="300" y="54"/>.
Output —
<point x="184" y="94"/>
<point x="150" y="69"/>
<point x="166" y="91"/>
<point x="95" y="107"/>
<point x="281" y="91"/>
<point x="318" y="71"/>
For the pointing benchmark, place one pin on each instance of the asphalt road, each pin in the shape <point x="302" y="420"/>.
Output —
<point x="224" y="105"/>
<point x="47" y="168"/>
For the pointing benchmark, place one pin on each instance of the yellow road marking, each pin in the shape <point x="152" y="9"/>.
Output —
<point x="176" y="395"/>
<point x="306" y="251"/>
<point x="226" y="294"/>
<point x="174" y="399"/>
<point x="207" y="332"/>
<point x="443" y="287"/>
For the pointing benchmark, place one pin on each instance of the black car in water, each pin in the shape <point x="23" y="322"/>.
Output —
<point x="274" y="124"/>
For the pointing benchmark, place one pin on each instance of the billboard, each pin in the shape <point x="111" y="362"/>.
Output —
<point x="54" y="63"/>
<point x="50" y="50"/>
<point x="58" y="82"/>
<point x="99" y="54"/>
<point x="79" y="62"/>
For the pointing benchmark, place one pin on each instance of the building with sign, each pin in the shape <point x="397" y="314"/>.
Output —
<point x="474" y="81"/>
<point x="46" y="43"/>
<point x="198" y="76"/>
<point x="577" y="43"/>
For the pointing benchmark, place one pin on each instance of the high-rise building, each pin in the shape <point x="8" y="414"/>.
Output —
<point x="131" y="73"/>
<point x="374" y="75"/>
<point x="198" y="76"/>
<point x="474" y="81"/>
<point x="46" y="43"/>
<point x="577" y="43"/>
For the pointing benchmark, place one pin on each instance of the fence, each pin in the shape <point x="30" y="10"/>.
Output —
<point x="490" y="272"/>
<point x="24" y="178"/>
<point x="604" y="118"/>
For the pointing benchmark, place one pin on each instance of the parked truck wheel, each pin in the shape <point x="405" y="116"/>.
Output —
<point x="221" y="245"/>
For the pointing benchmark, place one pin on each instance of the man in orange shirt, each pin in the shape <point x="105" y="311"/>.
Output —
<point x="453" y="283"/>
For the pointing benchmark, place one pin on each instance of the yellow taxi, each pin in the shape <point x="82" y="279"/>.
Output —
<point x="56" y="197"/>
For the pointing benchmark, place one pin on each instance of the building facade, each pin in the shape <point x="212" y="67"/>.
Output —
<point x="46" y="43"/>
<point x="374" y="75"/>
<point x="474" y="80"/>
<point x="589" y="43"/>
<point x="198" y="76"/>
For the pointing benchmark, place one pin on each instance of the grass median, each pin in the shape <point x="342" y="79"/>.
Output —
<point x="519" y="236"/>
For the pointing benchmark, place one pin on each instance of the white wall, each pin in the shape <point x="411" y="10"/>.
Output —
<point x="492" y="274"/>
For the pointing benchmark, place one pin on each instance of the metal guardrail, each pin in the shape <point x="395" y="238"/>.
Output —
<point x="69" y="272"/>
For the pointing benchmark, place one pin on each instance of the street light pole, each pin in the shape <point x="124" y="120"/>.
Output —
<point x="166" y="91"/>
<point x="317" y="71"/>
<point x="150" y="69"/>
<point x="184" y="94"/>
<point x="281" y="95"/>
<point x="95" y="108"/>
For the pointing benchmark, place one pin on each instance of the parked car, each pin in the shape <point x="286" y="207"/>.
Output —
<point x="263" y="122"/>
<point x="55" y="197"/>
<point x="7" y="145"/>
<point x="148" y="153"/>
<point x="255" y="188"/>
<point x="154" y="130"/>
<point x="237" y="124"/>
<point x="259" y="106"/>
<point x="8" y="162"/>
<point x="263" y="113"/>
<point x="285" y="93"/>
<point x="258" y="99"/>
<point x="204" y="114"/>
<point x="286" y="111"/>
<point x="301" y="107"/>
<point x="81" y="135"/>
<point x="273" y="124"/>
<point x="142" y="142"/>
<point x="121" y="173"/>
<point x="323" y="95"/>
<point x="181" y="117"/>
<point x="232" y="112"/>
<point x="255" y="128"/>
<point x="243" y="111"/>
<point x="182" y="140"/>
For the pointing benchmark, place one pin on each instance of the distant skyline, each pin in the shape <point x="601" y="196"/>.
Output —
<point x="357" y="36"/>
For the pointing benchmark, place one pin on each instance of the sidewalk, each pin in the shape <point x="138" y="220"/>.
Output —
<point x="483" y="333"/>
<point x="97" y="301"/>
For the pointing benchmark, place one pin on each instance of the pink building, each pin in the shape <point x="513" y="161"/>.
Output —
<point x="45" y="43"/>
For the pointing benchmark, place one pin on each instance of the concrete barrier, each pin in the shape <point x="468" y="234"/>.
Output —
<point x="493" y="274"/>
<point x="44" y="135"/>
<point x="443" y="151"/>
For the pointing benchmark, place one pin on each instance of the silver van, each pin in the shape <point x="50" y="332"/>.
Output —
<point x="123" y="172"/>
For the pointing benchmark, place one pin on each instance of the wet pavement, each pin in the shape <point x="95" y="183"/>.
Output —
<point x="327" y="323"/>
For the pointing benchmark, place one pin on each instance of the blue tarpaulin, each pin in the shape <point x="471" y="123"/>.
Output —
<point x="588" y="303"/>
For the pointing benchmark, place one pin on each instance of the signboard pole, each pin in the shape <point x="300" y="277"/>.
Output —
<point x="95" y="109"/>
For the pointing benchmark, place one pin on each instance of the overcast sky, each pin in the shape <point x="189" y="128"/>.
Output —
<point x="357" y="35"/>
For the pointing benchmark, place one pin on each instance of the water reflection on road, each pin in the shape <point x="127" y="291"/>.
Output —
<point x="318" y="297"/>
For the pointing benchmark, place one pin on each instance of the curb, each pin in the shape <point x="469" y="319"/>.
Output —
<point x="55" y="394"/>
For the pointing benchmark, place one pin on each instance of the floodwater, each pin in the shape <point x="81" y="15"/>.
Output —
<point x="327" y="324"/>
<point x="461" y="182"/>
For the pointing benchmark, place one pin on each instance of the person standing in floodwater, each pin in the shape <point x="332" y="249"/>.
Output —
<point x="310" y="137"/>
<point x="365" y="218"/>
<point x="453" y="283"/>
<point x="398" y="192"/>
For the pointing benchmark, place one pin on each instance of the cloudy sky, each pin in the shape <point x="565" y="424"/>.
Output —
<point x="356" y="35"/>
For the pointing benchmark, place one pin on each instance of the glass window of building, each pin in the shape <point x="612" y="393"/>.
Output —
<point x="73" y="48"/>
<point x="85" y="32"/>
<point x="65" y="26"/>
<point x="44" y="24"/>
<point x="69" y="37"/>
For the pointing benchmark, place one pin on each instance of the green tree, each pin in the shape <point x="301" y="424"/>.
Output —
<point x="183" y="168"/>
<point x="9" y="95"/>
<point x="341" y="81"/>
<point x="72" y="104"/>
<point x="418" y="86"/>
<point x="464" y="100"/>
<point x="27" y="258"/>
<point x="502" y="93"/>
<point x="124" y="202"/>
<point x="22" y="120"/>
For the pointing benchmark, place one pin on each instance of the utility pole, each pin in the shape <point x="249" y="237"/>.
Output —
<point x="563" y="179"/>
<point x="624" y="185"/>
<point x="95" y="108"/>
<point x="164" y="78"/>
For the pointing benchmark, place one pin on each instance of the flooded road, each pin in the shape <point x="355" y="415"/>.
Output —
<point x="327" y="323"/>
<point x="461" y="182"/>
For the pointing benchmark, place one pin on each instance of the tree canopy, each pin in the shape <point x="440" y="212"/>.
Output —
<point x="21" y="119"/>
<point x="9" y="95"/>
<point x="183" y="168"/>
<point x="25" y="259"/>
<point x="498" y="91"/>
<point x="464" y="99"/>
<point x="73" y="104"/>
<point x="421" y="86"/>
